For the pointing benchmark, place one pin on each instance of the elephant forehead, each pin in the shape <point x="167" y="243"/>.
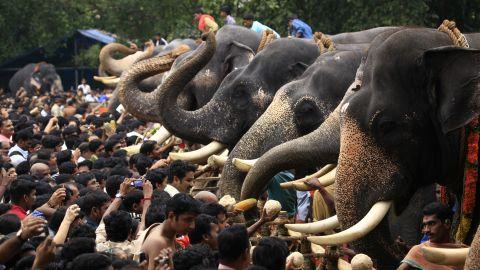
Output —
<point x="261" y="98"/>
<point x="363" y="174"/>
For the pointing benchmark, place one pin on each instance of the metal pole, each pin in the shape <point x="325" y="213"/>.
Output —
<point x="75" y="63"/>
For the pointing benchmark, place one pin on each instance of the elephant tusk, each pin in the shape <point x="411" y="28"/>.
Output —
<point x="315" y="227"/>
<point x="357" y="231"/>
<point x="244" y="165"/>
<point x="217" y="160"/>
<point x="446" y="256"/>
<point x="301" y="186"/>
<point x="329" y="178"/>
<point x="201" y="155"/>
<point x="323" y="171"/>
<point x="100" y="78"/>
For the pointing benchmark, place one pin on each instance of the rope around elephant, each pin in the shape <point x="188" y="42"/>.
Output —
<point x="324" y="43"/>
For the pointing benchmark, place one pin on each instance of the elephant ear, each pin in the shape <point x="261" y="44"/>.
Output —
<point x="296" y="70"/>
<point x="455" y="80"/>
<point x="239" y="55"/>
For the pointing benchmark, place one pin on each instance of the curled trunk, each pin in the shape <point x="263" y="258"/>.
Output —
<point x="319" y="147"/>
<point x="189" y="125"/>
<point x="111" y="65"/>
<point x="141" y="104"/>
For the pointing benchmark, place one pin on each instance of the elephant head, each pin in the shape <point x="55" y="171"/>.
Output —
<point x="298" y="108"/>
<point x="110" y="65"/>
<point x="242" y="96"/>
<point x="401" y="130"/>
<point x="234" y="47"/>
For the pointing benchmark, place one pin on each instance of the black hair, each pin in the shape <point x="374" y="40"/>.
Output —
<point x="67" y="167"/>
<point x="9" y="223"/>
<point x="93" y="199"/>
<point x="271" y="253"/>
<point x="232" y="243"/>
<point x="147" y="147"/>
<point x="198" y="10"/>
<point x="84" y="178"/>
<point x="91" y="261"/>
<point x="226" y="8"/>
<point x="292" y="17"/>
<point x="41" y="200"/>
<point x="213" y="209"/>
<point x="87" y="163"/>
<point x="43" y="188"/>
<point x="248" y="16"/>
<point x="179" y="168"/>
<point x="64" y="156"/>
<point x="155" y="213"/>
<point x="134" y="196"/>
<point x="77" y="246"/>
<point x="58" y="216"/>
<point x="4" y="208"/>
<point x="44" y="154"/>
<point x="113" y="184"/>
<point x="121" y="170"/>
<point x="182" y="203"/>
<point x="134" y="124"/>
<point x="131" y="140"/>
<point x="110" y="143"/>
<point x="82" y="230"/>
<point x="125" y="265"/>
<point x="442" y="211"/>
<point x="63" y="178"/>
<point x="20" y="188"/>
<point x="195" y="257"/>
<point x="118" y="226"/>
<point x="93" y="145"/>
<point x="202" y="227"/>
<point x="142" y="164"/>
<point x="83" y="147"/>
<point x="25" y="263"/>
<point x="23" y="135"/>
<point x="23" y="168"/>
<point x="156" y="176"/>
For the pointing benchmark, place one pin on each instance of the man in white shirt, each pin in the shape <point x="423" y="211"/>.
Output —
<point x="19" y="152"/>
<point x="180" y="178"/>
<point x="84" y="87"/>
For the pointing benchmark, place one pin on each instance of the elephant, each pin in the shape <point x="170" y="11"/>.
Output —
<point x="298" y="108"/>
<point x="401" y="128"/>
<point x="235" y="46"/>
<point x="36" y="78"/>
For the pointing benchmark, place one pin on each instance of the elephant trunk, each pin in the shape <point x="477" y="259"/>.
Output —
<point x="317" y="148"/>
<point x="111" y="65"/>
<point x="189" y="125"/>
<point x="274" y="127"/>
<point x="141" y="104"/>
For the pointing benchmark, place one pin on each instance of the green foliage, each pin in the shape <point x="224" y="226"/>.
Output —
<point x="88" y="57"/>
<point x="28" y="24"/>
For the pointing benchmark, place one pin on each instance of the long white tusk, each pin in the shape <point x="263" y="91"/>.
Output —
<point x="161" y="135"/>
<point x="201" y="155"/>
<point x="323" y="171"/>
<point x="329" y="178"/>
<point x="315" y="227"/>
<point x="244" y="165"/>
<point x="217" y="160"/>
<point x="99" y="78"/>
<point x="357" y="231"/>
<point x="446" y="256"/>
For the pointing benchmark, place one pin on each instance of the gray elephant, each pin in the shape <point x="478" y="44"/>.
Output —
<point x="36" y="79"/>
<point x="403" y="127"/>
<point x="235" y="46"/>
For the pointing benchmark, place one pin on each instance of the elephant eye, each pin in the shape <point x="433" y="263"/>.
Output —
<point x="386" y="126"/>
<point x="240" y="98"/>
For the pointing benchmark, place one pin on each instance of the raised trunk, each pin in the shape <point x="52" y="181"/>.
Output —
<point x="111" y="65"/>
<point x="189" y="125"/>
<point x="473" y="258"/>
<point x="141" y="104"/>
<point x="317" y="148"/>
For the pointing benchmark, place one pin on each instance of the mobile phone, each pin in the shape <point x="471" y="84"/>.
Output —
<point x="137" y="183"/>
<point x="39" y="214"/>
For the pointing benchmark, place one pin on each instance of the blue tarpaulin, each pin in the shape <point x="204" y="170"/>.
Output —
<point x="97" y="35"/>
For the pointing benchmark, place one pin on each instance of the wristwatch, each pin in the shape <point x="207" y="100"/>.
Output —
<point x="118" y="195"/>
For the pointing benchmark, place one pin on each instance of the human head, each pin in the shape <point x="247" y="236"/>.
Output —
<point x="92" y="261"/>
<point x="113" y="184"/>
<point x="151" y="149"/>
<point x="155" y="213"/>
<point x="271" y="253"/>
<point x="248" y="20"/>
<point x="197" y="13"/>
<point x="291" y="18"/>
<point x="181" y="174"/>
<point x="88" y="180"/>
<point x="133" y="201"/>
<point x="205" y="232"/>
<point x="225" y="11"/>
<point x="52" y="142"/>
<point x="40" y="170"/>
<point x="206" y="197"/>
<point x="84" y="81"/>
<point x="158" y="36"/>
<point x="23" y="193"/>
<point x="23" y="138"/>
<point x="6" y="127"/>
<point x="137" y="125"/>
<point x="67" y="168"/>
<point x="76" y="246"/>
<point x="234" y="246"/>
<point x="96" y="147"/>
<point x="158" y="178"/>
<point x="94" y="205"/>
<point x="218" y="211"/>
<point x="64" y="156"/>
<point x="181" y="211"/>
<point x="195" y="257"/>
<point x="118" y="226"/>
<point x="9" y="223"/>
<point x="437" y="222"/>
<point x="58" y="216"/>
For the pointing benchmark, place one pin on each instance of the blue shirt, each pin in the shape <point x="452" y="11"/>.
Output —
<point x="258" y="27"/>
<point x="299" y="26"/>
<point x="286" y="197"/>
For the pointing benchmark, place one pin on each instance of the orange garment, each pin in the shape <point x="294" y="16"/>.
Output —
<point x="415" y="257"/>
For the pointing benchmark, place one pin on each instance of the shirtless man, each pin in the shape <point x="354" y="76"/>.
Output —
<point x="181" y="212"/>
